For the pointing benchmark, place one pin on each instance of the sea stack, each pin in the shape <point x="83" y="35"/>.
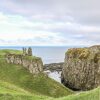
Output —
<point x="81" y="70"/>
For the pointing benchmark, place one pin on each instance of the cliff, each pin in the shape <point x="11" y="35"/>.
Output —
<point x="81" y="69"/>
<point x="33" y="64"/>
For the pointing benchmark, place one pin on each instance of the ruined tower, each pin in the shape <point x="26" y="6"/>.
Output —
<point x="29" y="51"/>
<point x="24" y="51"/>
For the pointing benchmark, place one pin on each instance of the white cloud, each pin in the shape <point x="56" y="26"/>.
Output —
<point x="49" y="22"/>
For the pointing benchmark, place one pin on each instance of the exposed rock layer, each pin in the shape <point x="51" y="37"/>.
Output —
<point x="33" y="64"/>
<point x="54" y="66"/>
<point x="81" y="69"/>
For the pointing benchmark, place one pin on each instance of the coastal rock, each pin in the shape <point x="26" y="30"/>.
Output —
<point x="33" y="64"/>
<point x="81" y="69"/>
<point x="54" y="66"/>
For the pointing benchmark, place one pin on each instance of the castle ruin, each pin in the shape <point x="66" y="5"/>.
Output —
<point x="27" y="51"/>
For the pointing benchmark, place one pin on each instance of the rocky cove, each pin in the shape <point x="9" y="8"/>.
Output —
<point x="53" y="70"/>
<point x="35" y="64"/>
<point x="79" y="71"/>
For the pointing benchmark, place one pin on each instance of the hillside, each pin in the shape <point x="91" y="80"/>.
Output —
<point x="38" y="84"/>
<point x="12" y="92"/>
<point x="16" y="83"/>
<point x="89" y="95"/>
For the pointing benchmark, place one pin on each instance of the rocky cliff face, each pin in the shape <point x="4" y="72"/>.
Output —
<point x="81" y="69"/>
<point x="33" y="64"/>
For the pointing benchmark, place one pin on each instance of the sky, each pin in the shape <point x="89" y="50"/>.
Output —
<point x="49" y="22"/>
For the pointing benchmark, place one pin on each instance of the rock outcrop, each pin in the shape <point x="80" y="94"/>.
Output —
<point x="54" y="66"/>
<point x="33" y="64"/>
<point x="81" y="69"/>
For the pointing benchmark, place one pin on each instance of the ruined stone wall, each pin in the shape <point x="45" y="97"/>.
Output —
<point x="81" y="69"/>
<point x="34" y="65"/>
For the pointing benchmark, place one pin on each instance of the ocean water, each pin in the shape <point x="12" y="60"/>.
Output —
<point x="48" y="54"/>
<point x="54" y="75"/>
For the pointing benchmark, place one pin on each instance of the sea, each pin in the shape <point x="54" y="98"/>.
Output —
<point x="49" y="54"/>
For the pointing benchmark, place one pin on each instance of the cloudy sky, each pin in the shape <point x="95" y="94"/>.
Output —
<point x="49" y="22"/>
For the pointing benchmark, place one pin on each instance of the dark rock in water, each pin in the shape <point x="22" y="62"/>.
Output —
<point x="81" y="69"/>
<point x="54" y="66"/>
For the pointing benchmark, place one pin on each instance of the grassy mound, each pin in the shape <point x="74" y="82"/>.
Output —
<point x="19" y="76"/>
<point x="89" y="95"/>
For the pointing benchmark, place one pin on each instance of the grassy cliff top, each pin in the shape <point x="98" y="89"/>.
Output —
<point x="32" y="58"/>
<point x="84" y="53"/>
<point x="81" y="53"/>
<point x="17" y="53"/>
<point x="4" y="52"/>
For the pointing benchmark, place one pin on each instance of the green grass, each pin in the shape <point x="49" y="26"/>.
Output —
<point x="10" y="88"/>
<point x="4" y="52"/>
<point x="32" y="58"/>
<point x="12" y="92"/>
<point x="16" y="83"/>
<point x="39" y="84"/>
<point x="89" y="95"/>
<point x="7" y="51"/>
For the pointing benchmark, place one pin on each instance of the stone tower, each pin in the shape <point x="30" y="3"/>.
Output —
<point x="24" y="51"/>
<point x="29" y="51"/>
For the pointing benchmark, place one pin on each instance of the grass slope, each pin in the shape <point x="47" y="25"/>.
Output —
<point x="12" y="92"/>
<point x="89" y="95"/>
<point x="19" y="76"/>
<point x="26" y="86"/>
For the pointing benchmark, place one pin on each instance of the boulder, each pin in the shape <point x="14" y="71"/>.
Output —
<point x="81" y="70"/>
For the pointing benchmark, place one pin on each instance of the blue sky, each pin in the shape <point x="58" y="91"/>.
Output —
<point x="49" y="22"/>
